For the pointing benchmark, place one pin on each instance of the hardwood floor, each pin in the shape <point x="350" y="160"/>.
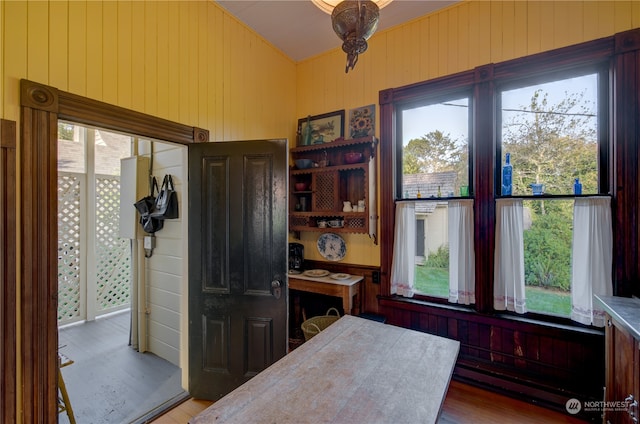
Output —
<point x="464" y="404"/>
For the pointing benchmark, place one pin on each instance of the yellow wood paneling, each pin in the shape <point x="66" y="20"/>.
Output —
<point x="162" y="61"/>
<point x="109" y="52"/>
<point x="77" y="63"/>
<point x="2" y="79"/>
<point x="94" y="38"/>
<point x="58" y="46"/>
<point x="139" y="52"/>
<point x="15" y="58"/>
<point x="520" y="44"/>
<point x="37" y="42"/>
<point x="173" y="61"/>
<point x="203" y="79"/>
<point x="461" y="48"/>
<point x="124" y="50"/>
<point x="149" y="67"/>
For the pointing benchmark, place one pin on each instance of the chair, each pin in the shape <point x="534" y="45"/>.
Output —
<point x="64" y="404"/>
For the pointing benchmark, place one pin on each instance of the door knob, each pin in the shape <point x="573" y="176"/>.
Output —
<point x="276" y="288"/>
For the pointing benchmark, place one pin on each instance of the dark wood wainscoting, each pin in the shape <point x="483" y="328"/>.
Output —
<point x="537" y="362"/>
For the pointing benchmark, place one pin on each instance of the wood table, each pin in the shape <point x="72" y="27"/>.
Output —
<point x="346" y="289"/>
<point x="355" y="371"/>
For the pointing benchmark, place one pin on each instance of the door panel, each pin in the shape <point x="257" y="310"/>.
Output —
<point x="237" y="250"/>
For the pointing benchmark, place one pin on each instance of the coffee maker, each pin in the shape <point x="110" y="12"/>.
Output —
<point x="296" y="258"/>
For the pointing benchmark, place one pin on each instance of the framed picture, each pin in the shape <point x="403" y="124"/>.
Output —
<point x="323" y="128"/>
<point x="362" y="121"/>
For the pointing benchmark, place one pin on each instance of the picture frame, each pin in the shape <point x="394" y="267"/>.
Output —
<point x="362" y="121"/>
<point x="325" y="128"/>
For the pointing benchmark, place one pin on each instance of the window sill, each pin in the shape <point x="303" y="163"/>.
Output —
<point x="552" y="196"/>
<point x="556" y="323"/>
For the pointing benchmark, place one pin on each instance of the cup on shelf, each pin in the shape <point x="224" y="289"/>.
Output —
<point x="336" y="223"/>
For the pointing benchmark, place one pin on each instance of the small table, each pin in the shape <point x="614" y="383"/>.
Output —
<point x="354" y="371"/>
<point x="345" y="289"/>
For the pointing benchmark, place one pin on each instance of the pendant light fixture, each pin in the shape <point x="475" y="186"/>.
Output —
<point x="354" y="21"/>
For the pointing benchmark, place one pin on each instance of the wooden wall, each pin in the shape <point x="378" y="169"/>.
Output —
<point x="167" y="267"/>
<point x="541" y="363"/>
<point x="185" y="61"/>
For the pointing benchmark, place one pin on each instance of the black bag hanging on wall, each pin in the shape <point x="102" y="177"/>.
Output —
<point x="166" y="206"/>
<point x="145" y="208"/>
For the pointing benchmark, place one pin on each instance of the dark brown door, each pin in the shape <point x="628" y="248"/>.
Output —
<point x="237" y="262"/>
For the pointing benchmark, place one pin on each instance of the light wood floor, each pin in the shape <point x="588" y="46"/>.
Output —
<point x="464" y="404"/>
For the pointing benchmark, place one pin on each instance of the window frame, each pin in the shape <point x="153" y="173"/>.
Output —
<point x="428" y="100"/>
<point x="601" y="69"/>
<point x="484" y="147"/>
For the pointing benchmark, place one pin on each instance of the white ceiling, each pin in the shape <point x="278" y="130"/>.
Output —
<point x="301" y="30"/>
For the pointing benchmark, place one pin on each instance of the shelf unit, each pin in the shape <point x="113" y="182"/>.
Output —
<point x="329" y="183"/>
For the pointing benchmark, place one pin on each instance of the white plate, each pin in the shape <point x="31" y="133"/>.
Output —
<point x="316" y="273"/>
<point x="340" y="276"/>
<point x="332" y="247"/>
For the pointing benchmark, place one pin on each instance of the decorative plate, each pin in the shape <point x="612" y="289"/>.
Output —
<point x="316" y="273"/>
<point x="340" y="276"/>
<point x="332" y="247"/>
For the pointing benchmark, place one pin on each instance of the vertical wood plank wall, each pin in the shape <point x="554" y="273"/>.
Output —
<point x="458" y="38"/>
<point x="167" y="283"/>
<point x="188" y="62"/>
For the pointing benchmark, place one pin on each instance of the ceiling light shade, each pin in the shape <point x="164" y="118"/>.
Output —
<point x="354" y="21"/>
<point x="327" y="6"/>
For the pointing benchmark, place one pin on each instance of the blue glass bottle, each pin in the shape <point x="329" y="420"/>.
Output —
<point x="507" y="174"/>
<point x="577" y="186"/>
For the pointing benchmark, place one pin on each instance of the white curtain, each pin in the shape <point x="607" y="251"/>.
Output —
<point x="592" y="258"/>
<point x="508" y="287"/>
<point x="462" y="274"/>
<point x="404" y="250"/>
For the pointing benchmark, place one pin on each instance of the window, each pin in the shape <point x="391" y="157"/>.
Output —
<point x="434" y="161"/>
<point x="552" y="116"/>
<point x="550" y="131"/>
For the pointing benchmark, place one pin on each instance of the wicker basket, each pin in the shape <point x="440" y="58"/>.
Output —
<point x="315" y="325"/>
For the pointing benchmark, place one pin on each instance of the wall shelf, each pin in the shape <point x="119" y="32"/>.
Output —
<point x="330" y="182"/>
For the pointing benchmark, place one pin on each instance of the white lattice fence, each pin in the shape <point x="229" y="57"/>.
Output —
<point x="69" y="284"/>
<point x="112" y="254"/>
<point x="113" y="258"/>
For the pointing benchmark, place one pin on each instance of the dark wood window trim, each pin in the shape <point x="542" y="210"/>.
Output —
<point x="620" y="55"/>
<point x="42" y="106"/>
<point x="8" y="232"/>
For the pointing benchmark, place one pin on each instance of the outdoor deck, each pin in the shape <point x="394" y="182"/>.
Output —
<point x="108" y="381"/>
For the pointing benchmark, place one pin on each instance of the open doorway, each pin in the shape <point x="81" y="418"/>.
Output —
<point x="116" y="375"/>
